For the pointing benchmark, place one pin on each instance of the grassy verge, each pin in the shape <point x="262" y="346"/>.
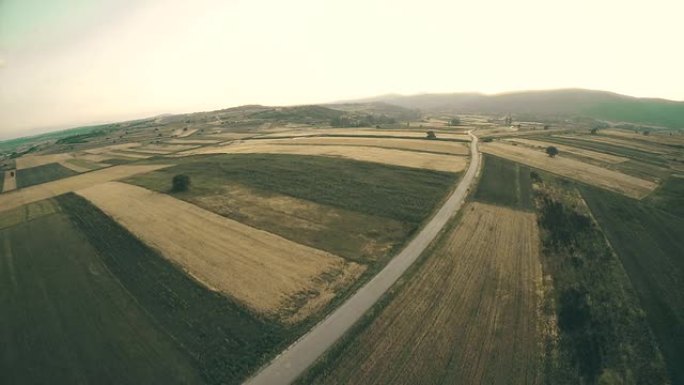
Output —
<point x="41" y="174"/>
<point x="649" y="238"/>
<point x="602" y="333"/>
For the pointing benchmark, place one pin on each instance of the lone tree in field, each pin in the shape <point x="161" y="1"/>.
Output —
<point x="431" y="135"/>
<point x="593" y="131"/>
<point x="455" y="121"/>
<point x="180" y="183"/>
<point x="552" y="151"/>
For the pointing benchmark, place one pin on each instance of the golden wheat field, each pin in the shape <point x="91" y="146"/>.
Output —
<point x="469" y="314"/>
<point x="267" y="273"/>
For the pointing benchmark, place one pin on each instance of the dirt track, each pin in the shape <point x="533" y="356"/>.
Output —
<point x="290" y="364"/>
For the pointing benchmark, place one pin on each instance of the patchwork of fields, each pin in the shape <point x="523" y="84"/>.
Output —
<point x="268" y="274"/>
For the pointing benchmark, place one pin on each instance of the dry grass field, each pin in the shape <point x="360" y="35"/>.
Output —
<point x="599" y="156"/>
<point x="50" y="189"/>
<point x="652" y="148"/>
<point x="162" y="148"/>
<point x="29" y="161"/>
<point x="423" y="160"/>
<point x="106" y="149"/>
<point x="469" y="314"/>
<point x="584" y="172"/>
<point x="654" y="137"/>
<point x="192" y="141"/>
<point x="182" y="133"/>
<point x="414" y="133"/>
<point x="267" y="273"/>
<point x="444" y="147"/>
<point x="9" y="182"/>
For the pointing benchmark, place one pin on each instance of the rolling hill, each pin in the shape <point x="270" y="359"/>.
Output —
<point x="554" y="103"/>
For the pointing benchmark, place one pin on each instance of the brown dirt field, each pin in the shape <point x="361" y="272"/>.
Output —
<point x="368" y="132"/>
<point x="453" y="148"/>
<point x="74" y="167"/>
<point x="9" y="183"/>
<point x="602" y="157"/>
<point x="162" y="148"/>
<point x="423" y="160"/>
<point x="574" y="169"/>
<point x="179" y="133"/>
<point x="628" y="143"/>
<point x="265" y="272"/>
<point x="124" y="154"/>
<point x="42" y="191"/>
<point x="29" y="161"/>
<point x="192" y="141"/>
<point x="107" y="149"/>
<point x="653" y="137"/>
<point x="468" y="315"/>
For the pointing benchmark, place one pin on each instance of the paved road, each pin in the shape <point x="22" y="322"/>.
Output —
<point x="292" y="363"/>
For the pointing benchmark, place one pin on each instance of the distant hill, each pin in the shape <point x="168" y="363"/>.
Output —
<point x="556" y="103"/>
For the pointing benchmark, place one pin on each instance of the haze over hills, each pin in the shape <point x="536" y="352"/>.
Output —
<point x="601" y="105"/>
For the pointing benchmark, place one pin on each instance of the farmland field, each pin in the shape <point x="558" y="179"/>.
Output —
<point x="423" y="145"/>
<point x="269" y="274"/>
<point x="505" y="183"/>
<point x="467" y="315"/>
<point x="609" y="148"/>
<point x="649" y="238"/>
<point x="596" y="328"/>
<point x="220" y="339"/>
<point x="30" y="161"/>
<point x="413" y="159"/>
<point x="42" y="174"/>
<point x="574" y="169"/>
<point x="599" y="156"/>
<point x="372" y="207"/>
<point x="67" y="319"/>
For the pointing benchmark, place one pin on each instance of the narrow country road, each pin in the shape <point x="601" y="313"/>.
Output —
<point x="292" y="363"/>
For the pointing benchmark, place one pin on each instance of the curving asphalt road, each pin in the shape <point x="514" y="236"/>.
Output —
<point x="292" y="362"/>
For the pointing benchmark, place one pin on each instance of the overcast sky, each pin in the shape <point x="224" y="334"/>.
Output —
<point x="70" y="62"/>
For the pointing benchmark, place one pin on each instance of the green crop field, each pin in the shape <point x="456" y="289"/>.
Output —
<point x="649" y="238"/>
<point x="66" y="318"/>
<point x="505" y="183"/>
<point x="358" y="210"/>
<point x="41" y="174"/>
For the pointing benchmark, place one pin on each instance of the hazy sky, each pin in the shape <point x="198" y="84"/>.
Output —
<point x="68" y="62"/>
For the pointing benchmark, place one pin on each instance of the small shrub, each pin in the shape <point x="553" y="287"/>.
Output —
<point x="180" y="183"/>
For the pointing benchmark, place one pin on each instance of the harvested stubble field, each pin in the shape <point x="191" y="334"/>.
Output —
<point x="359" y="210"/>
<point x="51" y="189"/>
<point x="468" y="315"/>
<point x="584" y="172"/>
<point x="414" y="133"/>
<point x="599" y="156"/>
<point x="41" y="174"/>
<point x="66" y="318"/>
<point x="422" y="160"/>
<point x="666" y="138"/>
<point x="83" y="164"/>
<point x="129" y="154"/>
<point x="193" y="141"/>
<point x="9" y="182"/>
<point x="424" y="145"/>
<point x="269" y="274"/>
<point x="627" y="143"/>
<point x="30" y="161"/>
<point x="113" y="147"/>
<point x="648" y="236"/>
<point x="162" y="148"/>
